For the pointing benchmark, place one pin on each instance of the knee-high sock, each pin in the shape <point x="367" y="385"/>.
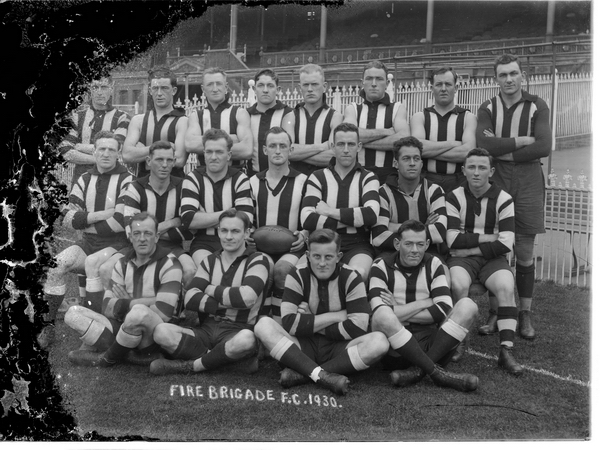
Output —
<point x="408" y="347"/>
<point x="446" y="340"/>
<point x="507" y="324"/>
<point x="98" y="336"/>
<point x="54" y="296"/>
<point x="346" y="363"/>
<point x="290" y="355"/>
<point x="123" y="343"/>
<point x="94" y="294"/>
<point x="525" y="280"/>
<point x="81" y="280"/>
<point x="216" y="357"/>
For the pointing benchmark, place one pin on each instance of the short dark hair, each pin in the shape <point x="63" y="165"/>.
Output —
<point x="325" y="236"/>
<point x="105" y="134"/>
<point x="375" y="64"/>
<point x="442" y="71"/>
<point x="141" y="216"/>
<point x="277" y="130"/>
<point x="268" y="73"/>
<point x="233" y="213"/>
<point x="346" y="127"/>
<point x="408" y="141"/>
<point x="214" y="70"/>
<point x="410" y="224"/>
<point x="478" y="151"/>
<point x="214" y="134"/>
<point x="159" y="145"/>
<point x="163" y="72"/>
<point x="506" y="58"/>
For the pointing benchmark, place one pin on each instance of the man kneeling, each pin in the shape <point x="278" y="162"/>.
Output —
<point x="325" y="315"/>
<point x="410" y="297"/>
<point x="229" y="288"/>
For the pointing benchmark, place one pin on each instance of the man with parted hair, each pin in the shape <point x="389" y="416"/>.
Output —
<point x="161" y="122"/>
<point x="446" y="130"/>
<point x="312" y="122"/>
<point x="411" y="302"/>
<point x="481" y="233"/>
<point x="266" y="113"/>
<point x="344" y="197"/>
<point x="210" y="190"/>
<point x="94" y="209"/>
<point x="514" y="127"/>
<point x="227" y="293"/>
<point x="405" y="195"/>
<point x="325" y="316"/>
<point x="144" y="291"/>
<point x="277" y="194"/>
<point x="381" y="121"/>
<point x="219" y="114"/>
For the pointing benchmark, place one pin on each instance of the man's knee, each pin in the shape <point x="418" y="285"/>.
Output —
<point x="385" y="320"/>
<point x="524" y="245"/>
<point x="163" y="334"/>
<point x="280" y="273"/>
<point x="265" y="327"/>
<point x="137" y="315"/>
<point x="243" y="342"/>
<point x="377" y="344"/>
<point x="466" y="309"/>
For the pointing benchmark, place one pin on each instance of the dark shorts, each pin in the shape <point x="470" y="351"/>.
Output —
<point x="353" y="245"/>
<point x="425" y="336"/>
<point x="92" y="243"/>
<point x="210" y="333"/>
<point x="448" y="182"/>
<point x="382" y="172"/>
<point x="172" y="247"/>
<point x="205" y="242"/>
<point x="478" y="267"/>
<point x="525" y="183"/>
<point x="320" y="348"/>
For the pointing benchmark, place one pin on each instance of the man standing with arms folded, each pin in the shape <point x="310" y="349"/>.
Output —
<point x="446" y="131"/>
<point x="514" y="127"/>
<point x="219" y="114"/>
<point x="268" y="112"/>
<point x="162" y="122"/>
<point x="381" y="122"/>
<point x="311" y="123"/>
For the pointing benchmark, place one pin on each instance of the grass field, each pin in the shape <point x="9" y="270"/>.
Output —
<point x="550" y="401"/>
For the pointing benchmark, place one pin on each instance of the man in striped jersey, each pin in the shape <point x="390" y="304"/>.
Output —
<point x="93" y="208"/>
<point x="277" y="194"/>
<point x="406" y="196"/>
<point x="227" y="293"/>
<point x="412" y="306"/>
<point x="161" y="122"/>
<point x="325" y="315"/>
<point x="311" y="123"/>
<point x="77" y="147"/>
<point x="210" y="190"/>
<point x="219" y="113"/>
<point x="447" y="132"/>
<point x="481" y="232"/>
<point x="159" y="193"/>
<point x="514" y="127"/>
<point x="381" y="121"/>
<point x="266" y="113"/>
<point x="344" y="197"/>
<point x="144" y="291"/>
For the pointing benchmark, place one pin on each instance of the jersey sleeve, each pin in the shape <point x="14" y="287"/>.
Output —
<point x="381" y="237"/>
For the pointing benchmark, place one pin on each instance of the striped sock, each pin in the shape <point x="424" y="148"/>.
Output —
<point x="507" y="324"/>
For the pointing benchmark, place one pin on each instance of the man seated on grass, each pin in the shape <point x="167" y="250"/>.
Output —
<point x="325" y="315"/>
<point x="412" y="306"/>
<point x="227" y="292"/>
<point x="481" y="232"/>
<point x="144" y="291"/>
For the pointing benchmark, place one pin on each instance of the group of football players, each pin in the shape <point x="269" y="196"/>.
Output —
<point x="391" y="221"/>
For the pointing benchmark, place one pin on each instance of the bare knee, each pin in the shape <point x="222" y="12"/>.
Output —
<point x="137" y="315"/>
<point x="243" y="343"/>
<point x="466" y="309"/>
<point x="385" y="321"/>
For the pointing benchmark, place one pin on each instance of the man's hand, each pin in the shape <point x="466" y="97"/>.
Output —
<point x="323" y="208"/>
<point x="488" y="133"/>
<point x="299" y="243"/>
<point x="487" y="238"/>
<point x="120" y="292"/>
<point x="88" y="149"/>
<point x="387" y="297"/>
<point x="432" y="218"/>
<point x="460" y="252"/>
<point x="139" y="144"/>
<point x="303" y="308"/>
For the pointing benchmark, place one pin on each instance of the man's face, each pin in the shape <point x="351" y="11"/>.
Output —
<point x="214" y="86"/>
<point x="106" y="152"/>
<point x="162" y="92"/>
<point x="477" y="170"/>
<point x="232" y="234"/>
<point x="411" y="247"/>
<point x="277" y="148"/>
<point x="443" y="89"/>
<point x="509" y="77"/>
<point x="409" y="163"/>
<point x="101" y="91"/>
<point x="323" y="259"/>
<point x="266" y="91"/>
<point x="143" y="237"/>
<point x="312" y="87"/>
<point x="161" y="163"/>
<point x="345" y="148"/>
<point x="374" y="84"/>
<point x="216" y="155"/>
